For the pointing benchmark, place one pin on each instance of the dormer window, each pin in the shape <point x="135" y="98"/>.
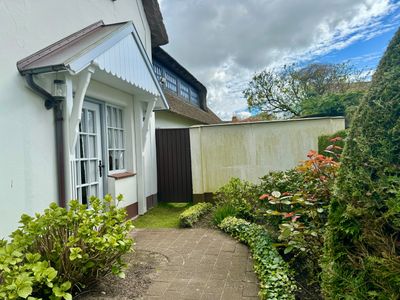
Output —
<point x="184" y="92"/>
<point x="171" y="82"/>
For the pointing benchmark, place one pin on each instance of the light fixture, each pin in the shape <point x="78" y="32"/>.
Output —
<point x="59" y="90"/>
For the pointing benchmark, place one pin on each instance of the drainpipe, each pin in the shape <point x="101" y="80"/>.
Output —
<point x="56" y="103"/>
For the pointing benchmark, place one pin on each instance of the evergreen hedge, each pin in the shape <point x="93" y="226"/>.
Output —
<point x="362" y="248"/>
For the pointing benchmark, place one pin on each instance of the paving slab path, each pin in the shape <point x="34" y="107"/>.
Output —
<point x="202" y="264"/>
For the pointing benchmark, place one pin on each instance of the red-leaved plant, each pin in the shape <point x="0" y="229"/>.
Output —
<point x="304" y="212"/>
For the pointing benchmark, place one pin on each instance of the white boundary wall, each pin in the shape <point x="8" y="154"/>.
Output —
<point x="250" y="150"/>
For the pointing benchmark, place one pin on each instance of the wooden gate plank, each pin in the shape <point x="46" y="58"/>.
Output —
<point x="174" y="168"/>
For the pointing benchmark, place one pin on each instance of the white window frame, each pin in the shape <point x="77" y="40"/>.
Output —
<point x="114" y="129"/>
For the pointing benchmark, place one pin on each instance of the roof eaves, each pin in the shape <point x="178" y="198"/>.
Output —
<point x="154" y="17"/>
<point x="23" y="64"/>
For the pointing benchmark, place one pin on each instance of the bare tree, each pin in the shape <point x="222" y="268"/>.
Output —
<point x="283" y="92"/>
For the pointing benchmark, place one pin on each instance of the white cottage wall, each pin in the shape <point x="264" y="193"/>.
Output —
<point x="166" y="119"/>
<point x="28" y="179"/>
<point x="251" y="150"/>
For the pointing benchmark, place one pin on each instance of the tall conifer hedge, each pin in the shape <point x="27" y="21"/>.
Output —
<point x="362" y="243"/>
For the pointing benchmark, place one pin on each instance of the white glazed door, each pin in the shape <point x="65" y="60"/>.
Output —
<point x="89" y="162"/>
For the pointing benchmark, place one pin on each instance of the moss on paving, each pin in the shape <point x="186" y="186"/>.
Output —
<point x="164" y="215"/>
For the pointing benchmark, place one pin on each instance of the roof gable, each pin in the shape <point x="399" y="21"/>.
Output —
<point x="115" y="49"/>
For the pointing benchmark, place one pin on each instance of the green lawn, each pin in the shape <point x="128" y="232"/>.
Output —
<point x="164" y="215"/>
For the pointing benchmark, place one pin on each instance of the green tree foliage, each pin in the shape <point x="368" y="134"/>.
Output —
<point x="285" y="91"/>
<point x="332" y="104"/>
<point x="362" y="248"/>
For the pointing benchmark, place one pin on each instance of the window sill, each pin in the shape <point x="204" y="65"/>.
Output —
<point x="122" y="175"/>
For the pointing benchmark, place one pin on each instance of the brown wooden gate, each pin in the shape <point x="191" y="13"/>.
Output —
<point x="174" y="166"/>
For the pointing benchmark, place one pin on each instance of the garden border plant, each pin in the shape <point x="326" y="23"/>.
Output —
<point x="60" y="252"/>
<point x="273" y="272"/>
<point x="191" y="215"/>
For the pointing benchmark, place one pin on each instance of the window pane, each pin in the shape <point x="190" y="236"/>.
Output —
<point x="115" y="139"/>
<point x="122" y="159"/>
<point x="116" y="135"/>
<point x="114" y="117"/>
<point x="119" y="125"/>
<point x="117" y="166"/>
<point x="171" y="82"/>
<point x="108" y="116"/>
<point x="110" y="139"/>
<point x="121" y="139"/>
<point x="184" y="92"/>
<point x="111" y="160"/>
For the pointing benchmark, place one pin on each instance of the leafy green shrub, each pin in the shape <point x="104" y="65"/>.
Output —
<point x="289" y="181"/>
<point x="240" y="194"/>
<point x="193" y="213"/>
<point x="304" y="213"/>
<point x="362" y="248"/>
<point x="61" y="251"/>
<point x="223" y="211"/>
<point x="326" y="143"/>
<point x="273" y="273"/>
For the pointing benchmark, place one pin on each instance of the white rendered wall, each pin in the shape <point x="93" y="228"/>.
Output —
<point x="166" y="119"/>
<point x="150" y="160"/>
<point x="27" y="150"/>
<point x="250" y="150"/>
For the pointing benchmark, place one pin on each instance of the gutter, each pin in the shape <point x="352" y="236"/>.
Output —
<point x="55" y="103"/>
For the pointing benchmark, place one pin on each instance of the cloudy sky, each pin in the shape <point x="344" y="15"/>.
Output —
<point x="223" y="42"/>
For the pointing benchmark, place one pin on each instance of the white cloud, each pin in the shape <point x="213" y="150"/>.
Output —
<point x="224" y="42"/>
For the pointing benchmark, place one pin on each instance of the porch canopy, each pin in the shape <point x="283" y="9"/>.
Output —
<point x="112" y="54"/>
<point x="114" y="51"/>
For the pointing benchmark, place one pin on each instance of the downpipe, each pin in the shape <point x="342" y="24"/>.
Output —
<point x="51" y="102"/>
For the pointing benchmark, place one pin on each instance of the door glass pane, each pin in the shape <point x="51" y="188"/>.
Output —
<point x="77" y="148"/>
<point x="83" y="149"/>
<point x="83" y="121"/>
<point x="83" y="170"/>
<point x="93" y="170"/>
<point x="90" y="121"/>
<point x="93" y="190"/>
<point x="92" y="146"/>
<point x="85" y="196"/>
<point x="78" y="173"/>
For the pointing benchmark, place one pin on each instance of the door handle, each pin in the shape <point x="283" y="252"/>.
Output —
<point x="101" y="167"/>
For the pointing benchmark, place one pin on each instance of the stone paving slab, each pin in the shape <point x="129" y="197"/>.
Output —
<point x="202" y="264"/>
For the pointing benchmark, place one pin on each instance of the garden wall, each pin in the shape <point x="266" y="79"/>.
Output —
<point x="250" y="150"/>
